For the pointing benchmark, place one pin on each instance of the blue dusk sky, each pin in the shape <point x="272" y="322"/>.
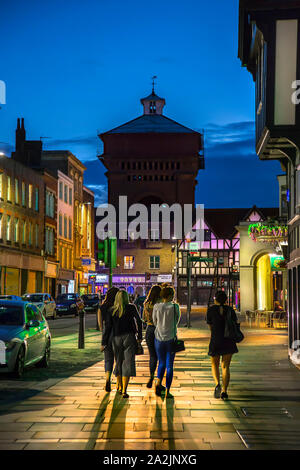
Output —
<point x="74" y="69"/>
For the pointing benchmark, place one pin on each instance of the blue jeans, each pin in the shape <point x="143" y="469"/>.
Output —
<point x="165" y="360"/>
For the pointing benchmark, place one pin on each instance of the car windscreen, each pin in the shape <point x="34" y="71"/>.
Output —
<point x="64" y="297"/>
<point x="11" y="315"/>
<point x="33" y="298"/>
<point x="90" y="297"/>
<point x="5" y="297"/>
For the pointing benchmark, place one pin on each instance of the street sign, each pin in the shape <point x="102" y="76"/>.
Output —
<point x="197" y="259"/>
<point x="86" y="261"/>
<point x="164" y="278"/>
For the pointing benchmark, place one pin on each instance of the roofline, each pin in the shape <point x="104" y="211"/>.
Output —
<point x="47" y="153"/>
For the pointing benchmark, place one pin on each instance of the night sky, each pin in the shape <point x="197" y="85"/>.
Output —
<point x="74" y="69"/>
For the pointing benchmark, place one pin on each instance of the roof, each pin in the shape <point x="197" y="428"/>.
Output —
<point x="62" y="153"/>
<point x="223" y="221"/>
<point x="151" y="123"/>
<point x="152" y="97"/>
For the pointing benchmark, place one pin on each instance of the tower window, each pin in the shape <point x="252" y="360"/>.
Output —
<point x="152" y="107"/>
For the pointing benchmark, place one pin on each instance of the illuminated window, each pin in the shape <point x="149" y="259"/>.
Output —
<point x="8" y="227"/>
<point x="1" y="226"/>
<point x="24" y="233"/>
<point x="154" y="262"/>
<point x="16" y="231"/>
<point x="128" y="262"/>
<point x="23" y="194"/>
<point x="16" y="191"/>
<point x="37" y="199"/>
<point x="30" y="196"/>
<point x="1" y="185"/>
<point x="8" y="188"/>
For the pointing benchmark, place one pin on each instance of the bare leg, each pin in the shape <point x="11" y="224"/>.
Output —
<point x="119" y="383"/>
<point x="226" y="359"/>
<point x="125" y="384"/>
<point x="215" y="367"/>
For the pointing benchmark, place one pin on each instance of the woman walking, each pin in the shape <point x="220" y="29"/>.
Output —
<point x="219" y="345"/>
<point x="104" y="316"/>
<point x="166" y="316"/>
<point x="152" y="299"/>
<point x="124" y="324"/>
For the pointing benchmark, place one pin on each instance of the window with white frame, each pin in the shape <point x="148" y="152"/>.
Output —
<point x="154" y="262"/>
<point x="16" y="191"/>
<point x="8" y="188"/>
<point x="30" y="189"/>
<point x="60" y="190"/>
<point x="8" y="227"/>
<point x="66" y="194"/>
<point x="16" y="231"/>
<point x="128" y="262"/>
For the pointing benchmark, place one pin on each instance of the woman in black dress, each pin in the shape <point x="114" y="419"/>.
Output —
<point x="104" y="315"/>
<point x="220" y="346"/>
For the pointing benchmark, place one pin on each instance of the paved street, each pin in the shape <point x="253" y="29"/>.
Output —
<point x="71" y="410"/>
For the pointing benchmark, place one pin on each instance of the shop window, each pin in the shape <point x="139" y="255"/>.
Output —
<point x="16" y="191"/>
<point x="154" y="262"/>
<point x="128" y="262"/>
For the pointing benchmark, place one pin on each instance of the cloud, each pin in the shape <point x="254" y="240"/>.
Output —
<point x="237" y="138"/>
<point x="100" y="192"/>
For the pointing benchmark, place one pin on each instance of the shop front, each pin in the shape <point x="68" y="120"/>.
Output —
<point x="129" y="282"/>
<point x="21" y="273"/>
<point x="65" y="281"/>
<point x="51" y="273"/>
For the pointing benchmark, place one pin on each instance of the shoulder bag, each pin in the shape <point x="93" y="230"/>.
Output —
<point x="178" y="343"/>
<point x="232" y="328"/>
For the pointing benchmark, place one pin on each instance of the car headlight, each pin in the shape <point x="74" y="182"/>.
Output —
<point x="10" y="345"/>
<point x="73" y="306"/>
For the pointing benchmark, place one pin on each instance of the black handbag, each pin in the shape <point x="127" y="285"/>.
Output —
<point x="232" y="328"/>
<point x="139" y="350"/>
<point x="178" y="345"/>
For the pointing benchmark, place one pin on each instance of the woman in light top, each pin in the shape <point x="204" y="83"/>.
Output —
<point x="166" y="316"/>
<point x="152" y="299"/>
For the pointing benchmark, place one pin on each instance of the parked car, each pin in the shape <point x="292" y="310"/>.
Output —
<point x="91" y="302"/>
<point x="25" y="338"/>
<point x="10" y="297"/>
<point x="69" y="304"/>
<point x="45" y="303"/>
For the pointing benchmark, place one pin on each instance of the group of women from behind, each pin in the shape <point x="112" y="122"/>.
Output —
<point x="122" y="331"/>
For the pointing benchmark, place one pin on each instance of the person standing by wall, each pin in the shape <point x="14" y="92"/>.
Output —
<point x="124" y="324"/>
<point x="152" y="299"/>
<point x="166" y="316"/>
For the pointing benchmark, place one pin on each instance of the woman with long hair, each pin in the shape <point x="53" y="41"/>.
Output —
<point x="166" y="316"/>
<point x="152" y="299"/>
<point x="103" y="314"/>
<point x="124" y="324"/>
<point x="219" y="345"/>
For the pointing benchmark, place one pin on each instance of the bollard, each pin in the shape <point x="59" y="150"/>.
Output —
<point x="81" y="329"/>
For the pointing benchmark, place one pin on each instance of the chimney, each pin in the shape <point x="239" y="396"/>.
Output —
<point x="20" y="141"/>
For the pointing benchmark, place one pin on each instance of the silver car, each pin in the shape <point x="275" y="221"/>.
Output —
<point x="25" y="337"/>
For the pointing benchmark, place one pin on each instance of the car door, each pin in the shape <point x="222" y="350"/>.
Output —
<point x="32" y="332"/>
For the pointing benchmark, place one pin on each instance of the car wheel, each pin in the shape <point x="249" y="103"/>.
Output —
<point x="44" y="362"/>
<point x="20" y="363"/>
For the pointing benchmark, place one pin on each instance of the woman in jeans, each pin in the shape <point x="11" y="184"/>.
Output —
<point x="152" y="299"/>
<point x="166" y="316"/>
<point x="124" y="324"/>
<point x="103" y="314"/>
<point x="220" y="346"/>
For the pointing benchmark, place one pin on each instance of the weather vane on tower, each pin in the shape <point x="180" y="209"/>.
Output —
<point x="153" y="82"/>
